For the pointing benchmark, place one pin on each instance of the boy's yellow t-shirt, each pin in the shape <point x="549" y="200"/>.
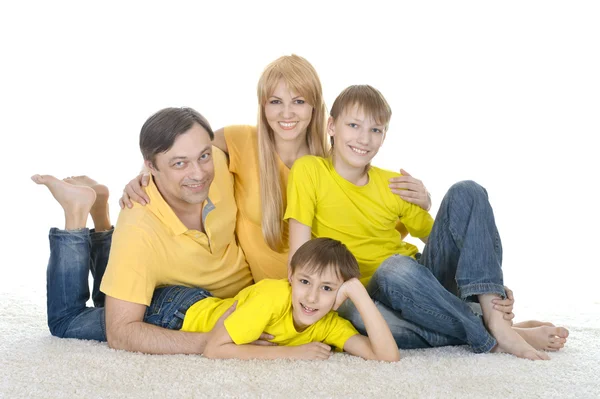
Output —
<point x="242" y="145"/>
<point x="362" y="217"/>
<point x="266" y="307"/>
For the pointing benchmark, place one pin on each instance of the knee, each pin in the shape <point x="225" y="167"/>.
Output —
<point x="57" y="329"/>
<point x="468" y="189"/>
<point x="397" y="270"/>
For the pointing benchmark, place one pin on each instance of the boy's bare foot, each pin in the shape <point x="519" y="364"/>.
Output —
<point x="99" y="211"/>
<point x="76" y="201"/>
<point x="544" y="337"/>
<point x="509" y="341"/>
<point x="532" y="324"/>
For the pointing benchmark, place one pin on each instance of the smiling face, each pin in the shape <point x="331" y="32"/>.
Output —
<point x="357" y="138"/>
<point x="313" y="295"/>
<point x="288" y="114"/>
<point x="183" y="174"/>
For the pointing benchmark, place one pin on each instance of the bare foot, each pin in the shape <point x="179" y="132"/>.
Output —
<point x="99" y="211"/>
<point x="509" y="341"/>
<point x="76" y="201"/>
<point x="532" y="324"/>
<point x="545" y="338"/>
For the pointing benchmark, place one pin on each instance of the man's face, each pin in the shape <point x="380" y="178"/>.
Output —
<point x="184" y="173"/>
<point x="313" y="295"/>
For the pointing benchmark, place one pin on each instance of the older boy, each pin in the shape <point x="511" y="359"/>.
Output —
<point x="343" y="197"/>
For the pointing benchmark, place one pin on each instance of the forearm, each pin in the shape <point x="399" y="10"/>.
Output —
<point x="380" y="337"/>
<point x="249" y="351"/>
<point x="147" y="338"/>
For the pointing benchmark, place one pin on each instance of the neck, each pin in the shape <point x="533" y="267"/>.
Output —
<point x="189" y="214"/>
<point x="289" y="151"/>
<point x="356" y="176"/>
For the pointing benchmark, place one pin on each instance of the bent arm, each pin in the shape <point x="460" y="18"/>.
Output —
<point x="125" y="329"/>
<point x="298" y="234"/>
<point x="219" y="140"/>
<point x="379" y="344"/>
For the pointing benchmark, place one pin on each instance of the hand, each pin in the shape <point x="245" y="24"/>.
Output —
<point x="411" y="190"/>
<point x="311" y="351"/>
<point x="505" y="305"/>
<point x="134" y="190"/>
<point x="344" y="292"/>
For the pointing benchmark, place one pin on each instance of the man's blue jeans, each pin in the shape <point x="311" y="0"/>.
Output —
<point x="425" y="301"/>
<point x="76" y="253"/>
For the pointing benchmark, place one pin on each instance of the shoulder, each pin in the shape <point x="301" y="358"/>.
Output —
<point x="219" y="157"/>
<point x="237" y="135"/>
<point x="309" y="162"/>
<point x="384" y="173"/>
<point x="273" y="286"/>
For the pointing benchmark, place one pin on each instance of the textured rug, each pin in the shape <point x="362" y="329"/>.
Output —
<point x="35" y="364"/>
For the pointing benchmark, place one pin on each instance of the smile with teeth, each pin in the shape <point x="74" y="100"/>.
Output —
<point x="287" y="125"/>
<point x="307" y="309"/>
<point x="358" y="150"/>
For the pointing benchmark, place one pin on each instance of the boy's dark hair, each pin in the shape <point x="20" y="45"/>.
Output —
<point x="368" y="99"/>
<point x="315" y="256"/>
<point x="161" y="129"/>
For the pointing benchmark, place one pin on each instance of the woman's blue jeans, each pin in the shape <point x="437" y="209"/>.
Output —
<point x="426" y="301"/>
<point x="74" y="254"/>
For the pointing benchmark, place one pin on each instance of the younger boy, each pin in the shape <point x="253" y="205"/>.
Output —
<point x="343" y="197"/>
<point x="298" y="313"/>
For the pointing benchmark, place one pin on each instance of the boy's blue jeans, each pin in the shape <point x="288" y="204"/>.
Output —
<point x="76" y="253"/>
<point x="425" y="301"/>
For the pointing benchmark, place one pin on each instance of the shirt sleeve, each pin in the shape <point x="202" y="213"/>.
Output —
<point x="237" y="137"/>
<point x="417" y="221"/>
<point x="337" y="331"/>
<point x="249" y="321"/>
<point x="129" y="275"/>
<point x="302" y="192"/>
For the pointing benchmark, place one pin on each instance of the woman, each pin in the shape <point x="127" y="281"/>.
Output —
<point x="291" y="123"/>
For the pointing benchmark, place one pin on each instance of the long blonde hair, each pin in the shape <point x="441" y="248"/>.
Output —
<point x="300" y="77"/>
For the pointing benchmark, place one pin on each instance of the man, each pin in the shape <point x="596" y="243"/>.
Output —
<point x="186" y="236"/>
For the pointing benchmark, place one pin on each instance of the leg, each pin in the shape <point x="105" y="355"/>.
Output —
<point x="101" y="236"/>
<point x="68" y="268"/>
<point x="406" y="334"/>
<point x="464" y="253"/>
<point x="405" y="286"/>
<point x="169" y="305"/>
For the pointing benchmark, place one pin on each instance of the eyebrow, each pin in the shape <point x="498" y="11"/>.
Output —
<point x="279" y="98"/>
<point x="322" y="282"/>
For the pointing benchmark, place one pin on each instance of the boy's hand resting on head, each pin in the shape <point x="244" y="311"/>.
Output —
<point x="346" y="290"/>
<point x="311" y="351"/>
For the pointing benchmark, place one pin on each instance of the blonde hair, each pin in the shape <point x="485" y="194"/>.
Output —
<point x="300" y="77"/>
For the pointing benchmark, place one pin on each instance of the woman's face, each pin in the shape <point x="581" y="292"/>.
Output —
<point x="288" y="114"/>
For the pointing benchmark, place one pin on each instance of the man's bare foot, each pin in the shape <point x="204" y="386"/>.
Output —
<point x="99" y="211"/>
<point x="76" y="201"/>
<point x="509" y="341"/>
<point x="532" y="324"/>
<point x="544" y="338"/>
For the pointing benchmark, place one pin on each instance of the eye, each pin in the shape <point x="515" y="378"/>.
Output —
<point x="327" y="288"/>
<point x="299" y="101"/>
<point x="304" y="281"/>
<point x="376" y="130"/>
<point x="275" y="102"/>
<point x="205" y="156"/>
<point x="353" y="125"/>
<point x="179" y="164"/>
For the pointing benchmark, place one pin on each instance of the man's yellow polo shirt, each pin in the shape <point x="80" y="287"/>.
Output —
<point x="151" y="247"/>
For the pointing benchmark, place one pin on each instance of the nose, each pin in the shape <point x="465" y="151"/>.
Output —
<point x="287" y="111"/>
<point x="313" y="295"/>
<point x="197" y="171"/>
<point x="363" y="137"/>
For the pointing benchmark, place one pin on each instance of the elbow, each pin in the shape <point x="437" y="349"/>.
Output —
<point x="115" y="339"/>
<point x="390" y="357"/>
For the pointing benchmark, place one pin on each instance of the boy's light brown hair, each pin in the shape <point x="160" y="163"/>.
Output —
<point x="368" y="99"/>
<point x="320" y="254"/>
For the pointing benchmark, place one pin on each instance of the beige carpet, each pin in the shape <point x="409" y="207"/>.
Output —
<point x="35" y="364"/>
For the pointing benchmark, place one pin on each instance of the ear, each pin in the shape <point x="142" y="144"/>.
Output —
<point x="290" y="275"/>
<point x="331" y="126"/>
<point x="150" y="167"/>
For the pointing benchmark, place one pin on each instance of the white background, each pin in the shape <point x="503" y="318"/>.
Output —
<point x="504" y="93"/>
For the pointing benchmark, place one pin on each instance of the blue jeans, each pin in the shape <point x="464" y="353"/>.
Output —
<point x="425" y="301"/>
<point x="76" y="253"/>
